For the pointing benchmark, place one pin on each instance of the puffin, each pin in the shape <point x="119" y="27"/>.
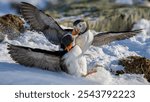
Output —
<point x="73" y="43"/>
<point x="81" y="34"/>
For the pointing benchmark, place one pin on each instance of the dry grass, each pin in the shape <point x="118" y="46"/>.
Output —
<point x="136" y="65"/>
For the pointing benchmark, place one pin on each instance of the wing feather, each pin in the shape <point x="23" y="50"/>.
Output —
<point x="38" y="58"/>
<point x="42" y="22"/>
<point x="107" y="37"/>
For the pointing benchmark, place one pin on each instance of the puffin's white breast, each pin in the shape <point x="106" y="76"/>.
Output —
<point x="84" y="40"/>
<point x="75" y="62"/>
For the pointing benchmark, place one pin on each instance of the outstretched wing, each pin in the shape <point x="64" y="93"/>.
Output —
<point x="107" y="37"/>
<point x="42" y="22"/>
<point x="38" y="58"/>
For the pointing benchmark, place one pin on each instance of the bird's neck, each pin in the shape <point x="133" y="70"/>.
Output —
<point x="86" y="30"/>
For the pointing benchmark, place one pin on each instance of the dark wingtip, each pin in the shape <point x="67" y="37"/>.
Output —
<point x="137" y="30"/>
<point x="8" y="47"/>
<point x="25" y="3"/>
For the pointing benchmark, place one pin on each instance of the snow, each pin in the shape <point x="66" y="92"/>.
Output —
<point x="35" y="40"/>
<point x="5" y="7"/>
<point x="103" y="58"/>
<point x="129" y="2"/>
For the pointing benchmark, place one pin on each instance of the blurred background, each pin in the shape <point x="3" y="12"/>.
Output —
<point x="74" y="7"/>
<point x="102" y="15"/>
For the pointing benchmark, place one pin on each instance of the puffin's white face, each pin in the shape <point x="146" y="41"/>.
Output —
<point x="80" y="28"/>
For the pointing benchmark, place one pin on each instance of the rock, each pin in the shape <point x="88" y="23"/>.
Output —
<point x="102" y="15"/>
<point x="119" y="19"/>
<point x="136" y="65"/>
<point x="79" y="7"/>
<point x="10" y="25"/>
<point x="1" y="37"/>
<point x="116" y="19"/>
<point x="14" y="21"/>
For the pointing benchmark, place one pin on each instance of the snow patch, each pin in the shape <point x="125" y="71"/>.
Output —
<point x="35" y="40"/>
<point x="129" y="2"/>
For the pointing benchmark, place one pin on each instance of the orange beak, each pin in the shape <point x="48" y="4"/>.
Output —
<point x="69" y="47"/>
<point x="75" y="31"/>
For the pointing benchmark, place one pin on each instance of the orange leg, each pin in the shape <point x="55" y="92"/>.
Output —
<point x="90" y="72"/>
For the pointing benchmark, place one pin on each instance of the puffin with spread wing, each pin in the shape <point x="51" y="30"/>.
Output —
<point x="74" y="43"/>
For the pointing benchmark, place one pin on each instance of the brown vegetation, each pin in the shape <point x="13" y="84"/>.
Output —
<point x="136" y="65"/>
